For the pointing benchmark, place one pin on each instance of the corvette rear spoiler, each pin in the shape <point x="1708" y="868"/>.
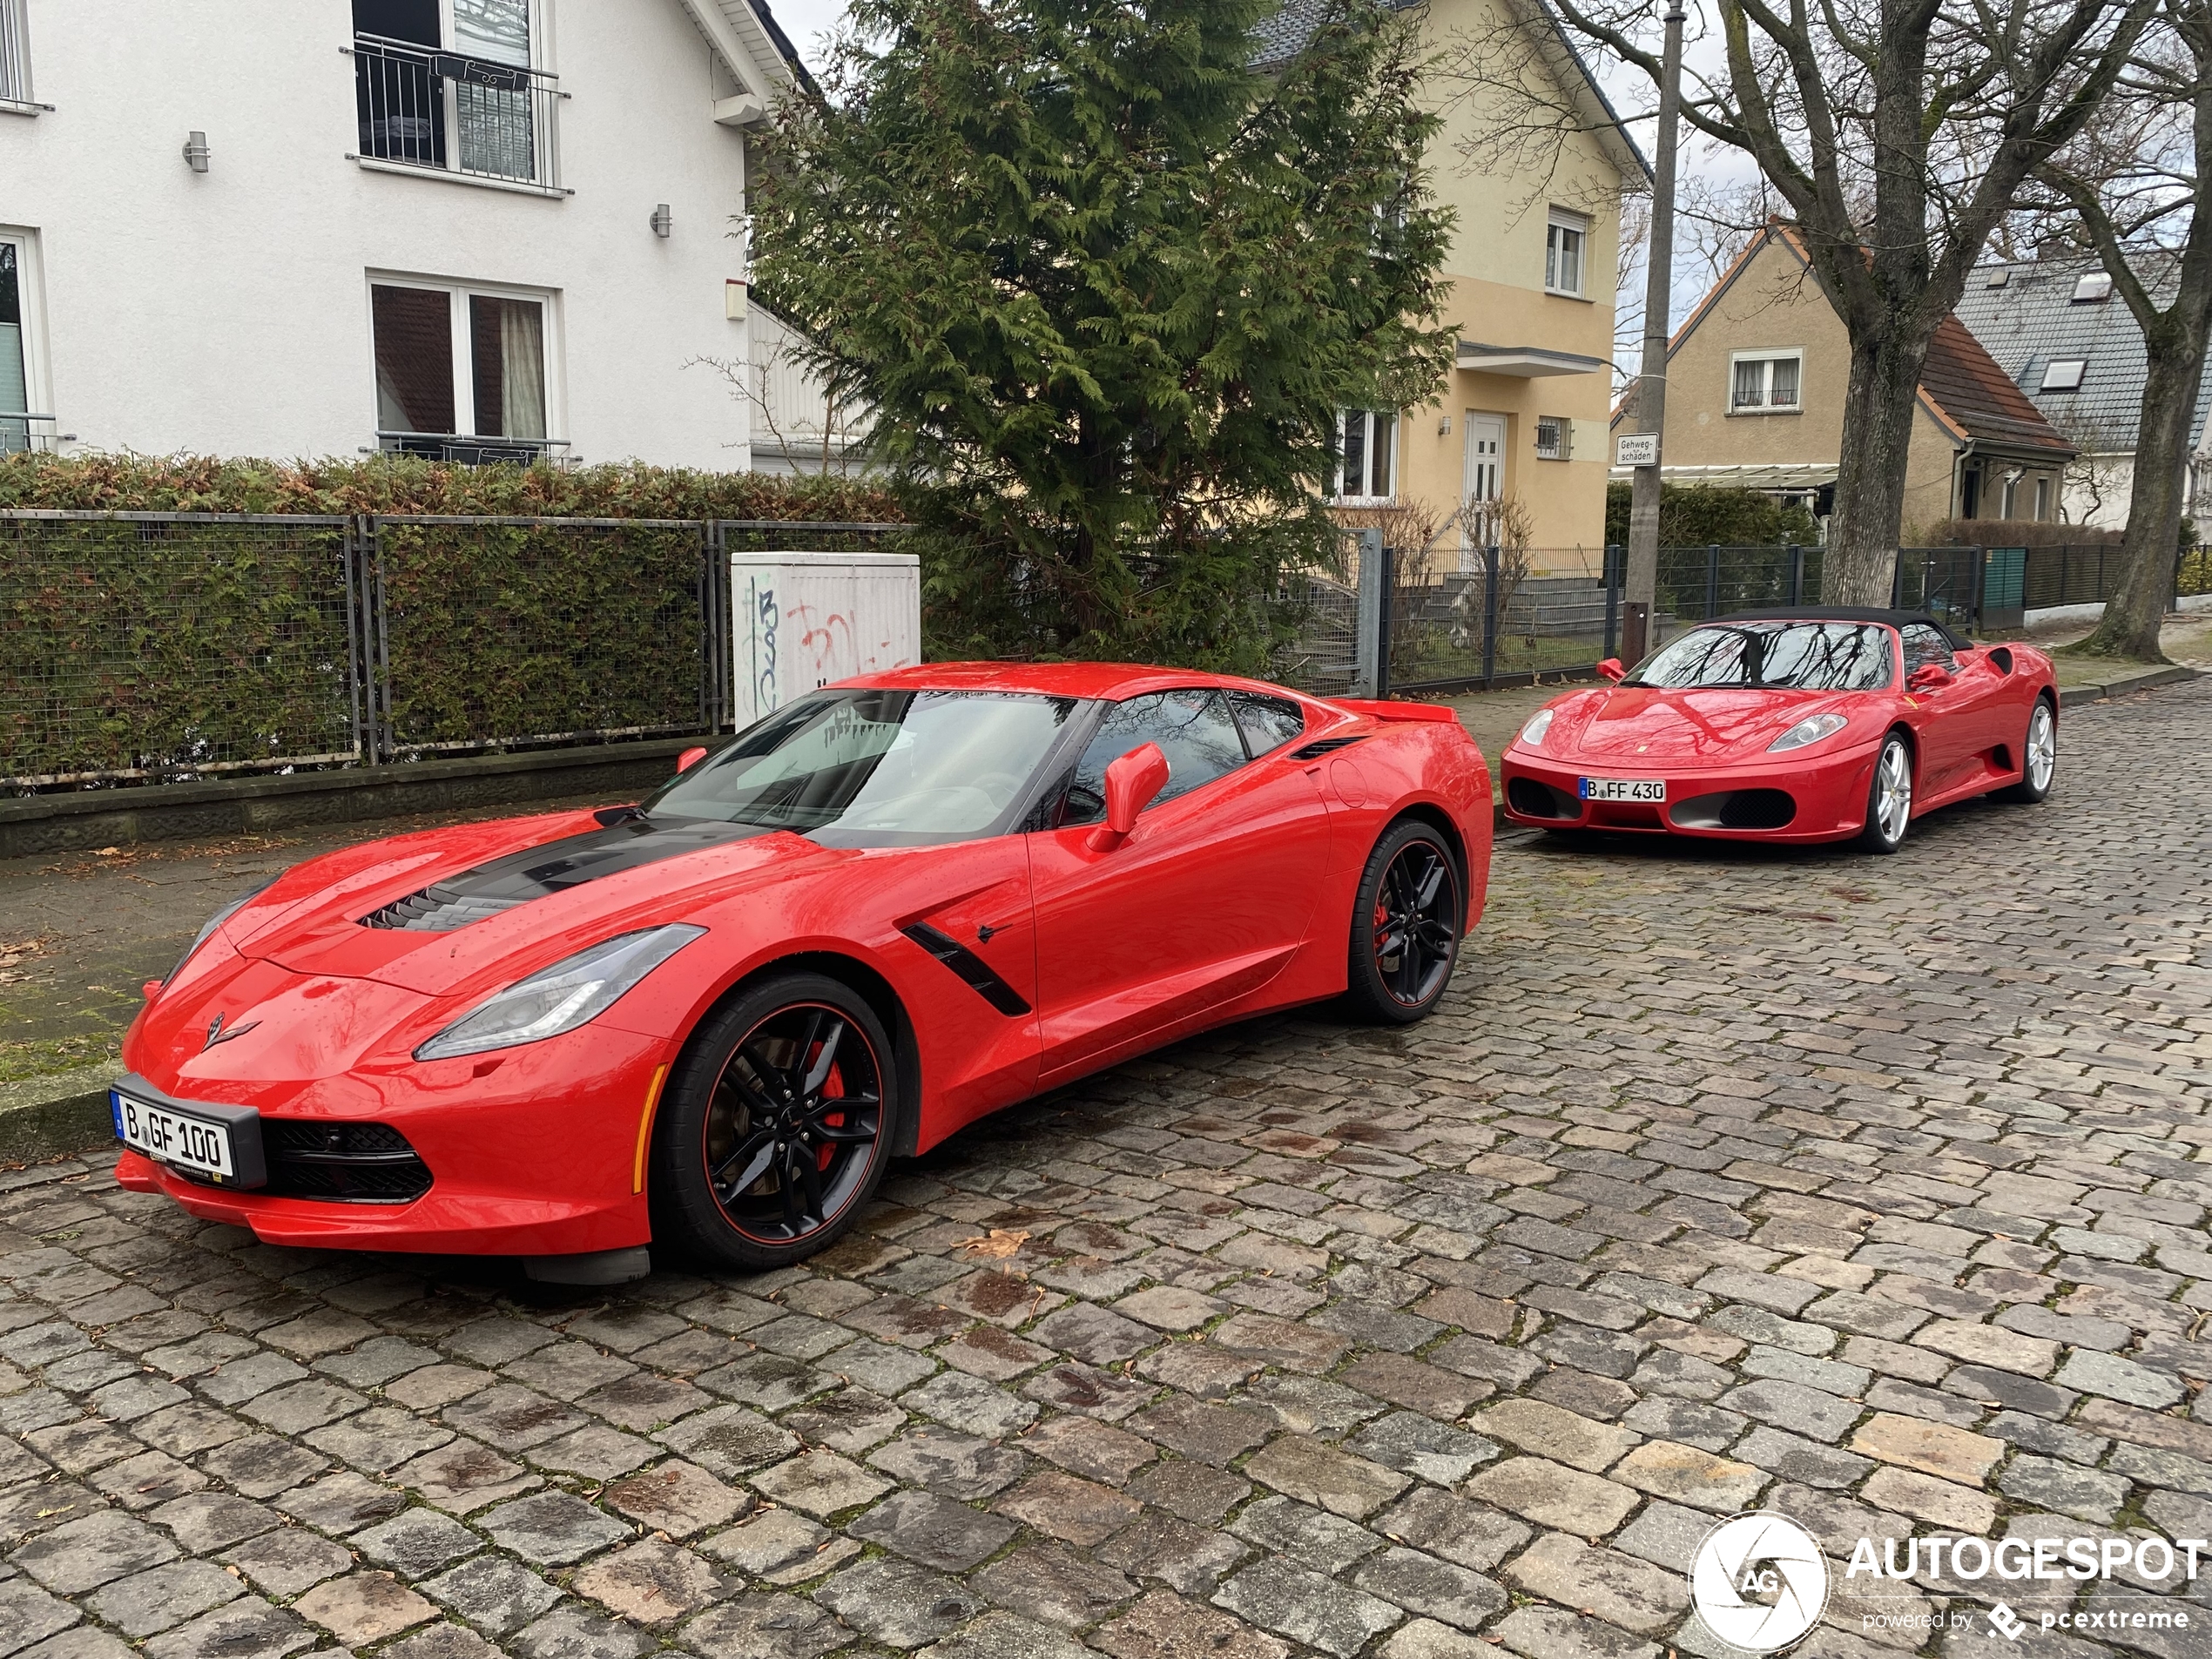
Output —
<point x="1437" y="714"/>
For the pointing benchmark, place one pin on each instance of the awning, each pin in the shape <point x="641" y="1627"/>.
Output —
<point x="1781" y="474"/>
<point x="1526" y="361"/>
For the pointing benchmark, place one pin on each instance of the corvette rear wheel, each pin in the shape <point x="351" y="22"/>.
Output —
<point x="775" y="1126"/>
<point x="2039" y="756"/>
<point x="1405" y="927"/>
<point x="1889" y="798"/>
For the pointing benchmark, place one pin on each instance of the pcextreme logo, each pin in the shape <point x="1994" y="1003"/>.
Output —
<point x="1759" y="1581"/>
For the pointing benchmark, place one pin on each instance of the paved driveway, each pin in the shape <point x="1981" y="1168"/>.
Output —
<point x="1870" y="1190"/>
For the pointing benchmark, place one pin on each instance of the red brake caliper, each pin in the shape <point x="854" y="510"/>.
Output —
<point x="833" y="1089"/>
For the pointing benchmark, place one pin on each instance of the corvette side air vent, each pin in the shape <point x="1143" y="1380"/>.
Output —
<point x="1315" y="750"/>
<point x="436" y="910"/>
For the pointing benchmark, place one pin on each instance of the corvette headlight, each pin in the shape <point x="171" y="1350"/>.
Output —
<point x="1812" y="729"/>
<point x="217" y="921"/>
<point x="1539" y="723"/>
<point x="562" y="997"/>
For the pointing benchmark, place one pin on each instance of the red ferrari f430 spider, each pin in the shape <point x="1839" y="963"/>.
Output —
<point x="1797" y="726"/>
<point x="711" y="1019"/>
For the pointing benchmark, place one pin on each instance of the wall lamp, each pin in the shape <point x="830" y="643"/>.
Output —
<point x="662" y="221"/>
<point x="196" y="151"/>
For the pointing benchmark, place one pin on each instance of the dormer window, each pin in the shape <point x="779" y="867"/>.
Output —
<point x="2063" y="375"/>
<point x="2093" y="289"/>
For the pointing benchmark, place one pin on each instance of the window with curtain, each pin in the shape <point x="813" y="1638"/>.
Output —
<point x="506" y="354"/>
<point x="1765" y="381"/>
<point x="15" y="379"/>
<point x="493" y="119"/>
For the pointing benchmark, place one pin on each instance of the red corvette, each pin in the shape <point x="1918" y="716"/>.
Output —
<point x="1791" y="725"/>
<point x="712" y="1019"/>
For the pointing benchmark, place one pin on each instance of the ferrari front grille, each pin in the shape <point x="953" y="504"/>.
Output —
<point x="341" y="1162"/>
<point x="433" y="911"/>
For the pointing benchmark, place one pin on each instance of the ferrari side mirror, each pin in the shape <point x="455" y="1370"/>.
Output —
<point x="1610" y="669"/>
<point x="689" y="758"/>
<point x="1132" y="784"/>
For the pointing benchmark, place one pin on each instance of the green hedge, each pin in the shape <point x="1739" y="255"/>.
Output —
<point x="1712" y="515"/>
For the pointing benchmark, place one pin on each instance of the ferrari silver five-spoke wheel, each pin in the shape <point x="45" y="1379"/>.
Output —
<point x="775" y="1128"/>
<point x="1889" y="797"/>
<point x="2039" y="755"/>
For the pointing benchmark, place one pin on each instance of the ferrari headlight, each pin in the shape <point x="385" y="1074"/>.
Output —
<point x="1812" y="729"/>
<point x="217" y="921"/>
<point x="562" y="997"/>
<point x="1539" y="723"/>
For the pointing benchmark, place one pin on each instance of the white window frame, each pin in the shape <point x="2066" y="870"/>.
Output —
<point x="1566" y="220"/>
<point x="2008" y="495"/>
<point x="2042" y="498"/>
<point x="1366" y="459"/>
<point x="31" y="288"/>
<point x="457" y="294"/>
<point x="1564" y="449"/>
<point x="548" y="141"/>
<point x="2066" y="381"/>
<point x="16" y="97"/>
<point x="1769" y="356"/>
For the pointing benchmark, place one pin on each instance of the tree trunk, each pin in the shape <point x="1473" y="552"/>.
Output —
<point x="2133" y="614"/>
<point x="1859" y="566"/>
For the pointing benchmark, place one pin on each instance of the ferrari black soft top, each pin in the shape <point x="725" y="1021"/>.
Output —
<point x="1845" y="613"/>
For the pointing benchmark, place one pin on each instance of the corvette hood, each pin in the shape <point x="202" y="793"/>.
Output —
<point x="430" y="913"/>
<point x="1652" y="725"/>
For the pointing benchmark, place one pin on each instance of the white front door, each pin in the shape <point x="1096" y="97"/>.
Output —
<point x="1486" y="475"/>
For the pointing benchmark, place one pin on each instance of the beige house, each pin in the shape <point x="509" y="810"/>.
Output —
<point x="1757" y="382"/>
<point x="1516" y="433"/>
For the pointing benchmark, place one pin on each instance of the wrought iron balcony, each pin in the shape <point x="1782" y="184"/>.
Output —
<point x="467" y="449"/>
<point x="445" y="111"/>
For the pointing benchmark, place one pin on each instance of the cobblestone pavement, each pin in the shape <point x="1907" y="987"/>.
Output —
<point x="1870" y="1190"/>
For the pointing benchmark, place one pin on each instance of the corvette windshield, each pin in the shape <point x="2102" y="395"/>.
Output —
<point x="874" y="766"/>
<point x="1788" y="656"/>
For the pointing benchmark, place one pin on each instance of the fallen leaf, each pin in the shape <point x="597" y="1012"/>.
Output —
<point x="996" y="1246"/>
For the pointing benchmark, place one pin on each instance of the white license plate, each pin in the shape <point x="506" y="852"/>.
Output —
<point x="1624" y="789"/>
<point x="190" y="1143"/>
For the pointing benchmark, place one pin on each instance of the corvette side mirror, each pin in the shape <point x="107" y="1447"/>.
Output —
<point x="1610" y="669"/>
<point x="1131" y="783"/>
<point x="689" y="758"/>
<point x="1927" y="676"/>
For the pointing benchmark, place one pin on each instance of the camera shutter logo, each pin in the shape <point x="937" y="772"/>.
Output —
<point x="1759" y="1581"/>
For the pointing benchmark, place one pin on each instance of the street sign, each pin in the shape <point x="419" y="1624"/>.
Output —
<point x="1637" y="449"/>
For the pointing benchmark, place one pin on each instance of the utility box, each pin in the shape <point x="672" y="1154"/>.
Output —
<point x="800" y="620"/>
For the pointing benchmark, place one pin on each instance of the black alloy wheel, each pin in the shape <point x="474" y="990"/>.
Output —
<point x="1406" y="927"/>
<point x="777" y="1125"/>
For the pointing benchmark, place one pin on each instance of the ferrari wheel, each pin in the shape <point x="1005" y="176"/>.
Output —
<point x="1405" y="927"/>
<point x="1889" y="798"/>
<point x="775" y="1127"/>
<point x="2039" y="756"/>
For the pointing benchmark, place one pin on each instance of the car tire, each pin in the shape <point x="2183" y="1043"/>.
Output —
<point x="1405" y="924"/>
<point x="2039" y="756"/>
<point x="1889" y="797"/>
<point x="775" y="1126"/>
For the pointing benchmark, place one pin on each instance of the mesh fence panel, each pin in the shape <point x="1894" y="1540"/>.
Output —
<point x="136" y="647"/>
<point x="541" y="630"/>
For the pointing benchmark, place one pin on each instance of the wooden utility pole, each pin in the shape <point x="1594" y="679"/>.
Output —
<point x="1641" y="580"/>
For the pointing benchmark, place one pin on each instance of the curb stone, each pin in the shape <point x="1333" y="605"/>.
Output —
<point x="67" y="1111"/>
<point x="2072" y="695"/>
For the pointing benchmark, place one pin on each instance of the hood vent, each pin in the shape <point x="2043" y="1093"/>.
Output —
<point x="436" y="910"/>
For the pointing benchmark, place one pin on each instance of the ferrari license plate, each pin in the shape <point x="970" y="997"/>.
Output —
<point x="1624" y="788"/>
<point x="190" y="1142"/>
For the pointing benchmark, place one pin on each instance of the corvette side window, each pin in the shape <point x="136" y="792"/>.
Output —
<point x="1924" y="644"/>
<point x="1269" y="722"/>
<point x="1193" y="728"/>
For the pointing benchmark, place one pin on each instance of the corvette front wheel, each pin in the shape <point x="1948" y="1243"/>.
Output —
<point x="774" y="1128"/>
<point x="1405" y="927"/>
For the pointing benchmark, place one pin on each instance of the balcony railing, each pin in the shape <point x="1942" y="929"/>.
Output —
<point x="20" y="431"/>
<point x="467" y="449"/>
<point x="448" y="112"/>
<point x="15" y="54"/>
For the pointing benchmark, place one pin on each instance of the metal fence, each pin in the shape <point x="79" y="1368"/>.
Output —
<point x="1521" y="613"/>
<point x="155" y="647"/>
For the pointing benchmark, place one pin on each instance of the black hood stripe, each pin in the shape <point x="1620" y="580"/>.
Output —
<point x="552" y="866"/>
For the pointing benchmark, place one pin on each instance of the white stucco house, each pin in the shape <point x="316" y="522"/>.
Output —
<point x="475" y="228"/>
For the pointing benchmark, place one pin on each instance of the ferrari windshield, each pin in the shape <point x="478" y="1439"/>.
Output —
<point x="1787" y="656"/>
<point x="874" y="766"/>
